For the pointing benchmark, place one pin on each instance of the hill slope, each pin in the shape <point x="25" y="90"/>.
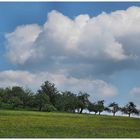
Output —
<point x="42" y="124"/>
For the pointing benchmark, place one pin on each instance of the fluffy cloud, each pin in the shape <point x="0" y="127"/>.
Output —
<point x="96" y="88"/>
<point x="19" y="43"/>
<point x="101" y="44"/>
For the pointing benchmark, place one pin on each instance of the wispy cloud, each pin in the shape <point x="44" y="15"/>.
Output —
<point x="96" y="88"/>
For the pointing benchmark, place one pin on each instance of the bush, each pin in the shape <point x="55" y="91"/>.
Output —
<point x="49" y="108"/>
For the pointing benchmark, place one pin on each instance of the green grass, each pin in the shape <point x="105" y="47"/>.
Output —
<point x="31" y="124"/>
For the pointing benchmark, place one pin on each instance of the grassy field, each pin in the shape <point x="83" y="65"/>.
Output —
<point x="30" y="124"/>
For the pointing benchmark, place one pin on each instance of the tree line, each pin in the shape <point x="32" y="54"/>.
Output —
<point x="48" y="98"/>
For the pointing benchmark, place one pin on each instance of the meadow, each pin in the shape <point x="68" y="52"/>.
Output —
<point x="31" y="124"/>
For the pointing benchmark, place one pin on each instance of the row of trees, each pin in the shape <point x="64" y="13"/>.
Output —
<point x="48" y="98"/>
<point x="113" y="108"/>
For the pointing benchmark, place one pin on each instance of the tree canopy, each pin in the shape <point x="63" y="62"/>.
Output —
<point x="113" y="108"/>
<point x="130" y="108"/>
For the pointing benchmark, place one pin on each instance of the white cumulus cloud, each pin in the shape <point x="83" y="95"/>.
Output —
<point x="103" y="43"/>
<point x="19" y="43"/>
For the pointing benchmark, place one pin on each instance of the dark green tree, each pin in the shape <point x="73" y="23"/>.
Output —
<point x="24" y="95"/>
<point x="100" y="106"/>
<point x="27" y="98"/>
<point x="15" y="102"/>
<point x="60" y="103"/>
<point x="83" y="101"/>
<point x="69" y="100"/>
<point x="1" y="95"/>
<point x="50" y="90"/>
<point x="93" y="107"/>
<point x="41" y="99"/>
<point x="113" y="107"/>
<point x="7" y="95"/>
<point x="129" y="109"/>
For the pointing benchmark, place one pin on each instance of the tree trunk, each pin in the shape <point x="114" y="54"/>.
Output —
<point x="129" y="114"/>
<point x="81" y="110"/>
<point x="99" y="113"/>
<point x="113" y="113"/>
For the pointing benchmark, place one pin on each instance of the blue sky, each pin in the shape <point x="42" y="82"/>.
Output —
<point x="16" y="13"/>
<point x="114" y="70"/>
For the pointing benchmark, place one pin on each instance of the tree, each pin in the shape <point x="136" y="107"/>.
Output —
<point x="15" y="102"/>
<point x="59" y="103"/>
<point x="50" y="90"/>
<point x="129" y="109"/>
<point x="41" y="99"/>
<point x="25" y="95"/>
<point x="1" y="95"/>
<point x="93" y="107"/>
<point x="100" y="106"/>
<point x="7" y="95"/>
<point x="27" y="98"/>
<point x="83" y="101"/>
<point x="90" y="107"/>
<point x="113" y="107"/>
<point x="69" y="101"/>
